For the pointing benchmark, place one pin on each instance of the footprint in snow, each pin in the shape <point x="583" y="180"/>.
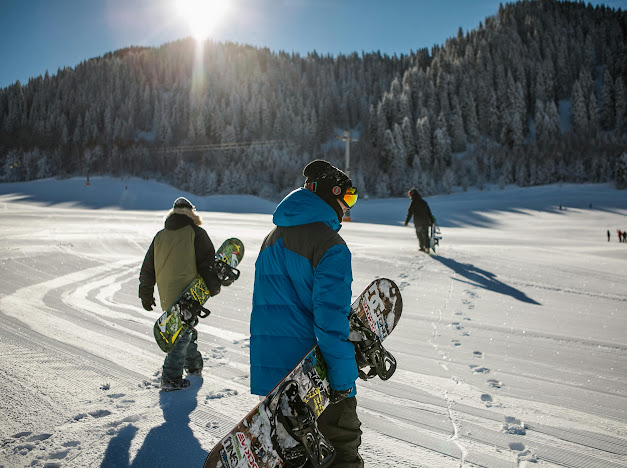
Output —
<point x="227" y="392"/>
<point x="456" y="326"/>
<point x="518" y="446"/>
<point x="525" y="458"/>
<point x="72" y="443"/>
<point x="456" y="342"/>
<point x="245" y="343"/>
<point x="487" y="399"/>
<point x="495" y="383"/>
<point x="478" y="354"/>
<point x="479" y="370"/>
<point x="99" y="413"/>
<point x="39" y="437"/>
<point x="60" y="455"/>
<point x="28" y="444"/>
<point x="514" y="426"/>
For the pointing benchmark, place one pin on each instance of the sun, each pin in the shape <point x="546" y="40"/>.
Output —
<point x="202" y="16"/>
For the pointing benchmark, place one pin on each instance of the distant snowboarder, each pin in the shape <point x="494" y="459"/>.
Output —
<point x="423" y="218"/>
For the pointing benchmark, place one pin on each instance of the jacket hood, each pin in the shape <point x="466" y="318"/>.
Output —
<point x="304" y="207"/>
<point x="414" y="194"/>
<point x="176" y="220"/>
<point x="180" y="217"/>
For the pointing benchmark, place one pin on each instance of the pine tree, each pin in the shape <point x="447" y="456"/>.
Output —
<point x="619" y="101"/>
<point x="608" y="108"/>
<point x="620" y="172"/>
<point x="593" y="115"/>
<point x="579" y="111"/>
<point x="458" y="135"/>
<point x="541" y="121"/>
<point x="408" y="137"/>
<point x="423" y="143"/>
<point x="441" y="148"/>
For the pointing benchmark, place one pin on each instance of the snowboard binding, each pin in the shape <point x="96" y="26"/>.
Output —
<point x="369" y="353"/>
<point x="300" y="423"/>
<point x="226" y="273"/>
<point x="191" y="310"/>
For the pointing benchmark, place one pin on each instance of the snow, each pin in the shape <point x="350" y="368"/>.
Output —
<point x="511" y="348"/>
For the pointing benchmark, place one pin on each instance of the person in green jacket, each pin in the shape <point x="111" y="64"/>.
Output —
<point x="176" y="255"/>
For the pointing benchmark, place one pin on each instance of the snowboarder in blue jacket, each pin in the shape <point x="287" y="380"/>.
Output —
<point x="302" y="297"/>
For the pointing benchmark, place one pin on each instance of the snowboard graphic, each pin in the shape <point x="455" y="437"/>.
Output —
<point x="282" y="428"/>
<point x="434" y="236"/>
<point x="182" y="313"/>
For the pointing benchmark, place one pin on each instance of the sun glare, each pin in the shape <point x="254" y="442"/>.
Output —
<point x="202" y="16"/>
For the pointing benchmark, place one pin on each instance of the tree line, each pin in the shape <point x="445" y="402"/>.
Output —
<point x="534" y="95"/>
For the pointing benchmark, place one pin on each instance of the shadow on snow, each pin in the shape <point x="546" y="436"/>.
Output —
<point x="171" y="444"/>
<point x="483" y="279"/>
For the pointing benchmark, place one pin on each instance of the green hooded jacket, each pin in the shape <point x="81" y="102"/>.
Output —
<point x="177" y="254"/>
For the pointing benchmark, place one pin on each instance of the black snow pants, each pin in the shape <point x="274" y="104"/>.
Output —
<point x="340" y="424"/>
<point x="422" y="233"/>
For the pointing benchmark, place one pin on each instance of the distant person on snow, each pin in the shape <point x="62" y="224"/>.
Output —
<point x="608" y="235"/>
<point x="620" y="235"/>
<point x="302" y="297"/>
<point x="177" y="254"/>
<point x="423" y="218"/>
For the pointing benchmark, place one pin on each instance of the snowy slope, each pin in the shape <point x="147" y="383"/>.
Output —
<point x="511" y="350"/>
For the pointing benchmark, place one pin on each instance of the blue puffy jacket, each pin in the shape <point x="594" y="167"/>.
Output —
<point x="302" y="295"/>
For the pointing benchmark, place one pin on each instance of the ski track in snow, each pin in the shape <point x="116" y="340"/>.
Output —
<point x="500" y="364"/>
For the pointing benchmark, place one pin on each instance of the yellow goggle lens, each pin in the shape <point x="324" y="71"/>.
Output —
<point x="350" y="197"/>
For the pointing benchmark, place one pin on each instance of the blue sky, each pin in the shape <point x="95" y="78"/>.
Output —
<point x="40" y="35"/>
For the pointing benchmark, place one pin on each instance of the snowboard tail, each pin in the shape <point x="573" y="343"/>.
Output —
<point x="186" y="309"/>
<point x="282" y="430"/>
<point x="434" y="237"/>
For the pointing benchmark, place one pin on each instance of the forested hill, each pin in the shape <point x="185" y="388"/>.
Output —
<point x="534" y="95"/>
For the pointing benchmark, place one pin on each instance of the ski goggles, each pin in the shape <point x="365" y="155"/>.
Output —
<point x="350" y="196"/>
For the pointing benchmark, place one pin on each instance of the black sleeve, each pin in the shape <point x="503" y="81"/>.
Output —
<point x="147" y="277"/>
<point x="410" y="212"/>
<point x="205" y="260"/>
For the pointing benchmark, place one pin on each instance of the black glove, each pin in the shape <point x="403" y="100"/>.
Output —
<point x="338" y="395"/>
<point x="147" y="303"/>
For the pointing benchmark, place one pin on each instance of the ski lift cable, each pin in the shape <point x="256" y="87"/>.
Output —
<point x="224" y="146"/>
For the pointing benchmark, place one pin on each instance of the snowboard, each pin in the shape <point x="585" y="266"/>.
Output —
<point x="434" y="237"/>
<point x="282" y="429"/>
<point x="182" y="314"/>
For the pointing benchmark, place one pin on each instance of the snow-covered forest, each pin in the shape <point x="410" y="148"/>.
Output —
<point x="534" y="95"/>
